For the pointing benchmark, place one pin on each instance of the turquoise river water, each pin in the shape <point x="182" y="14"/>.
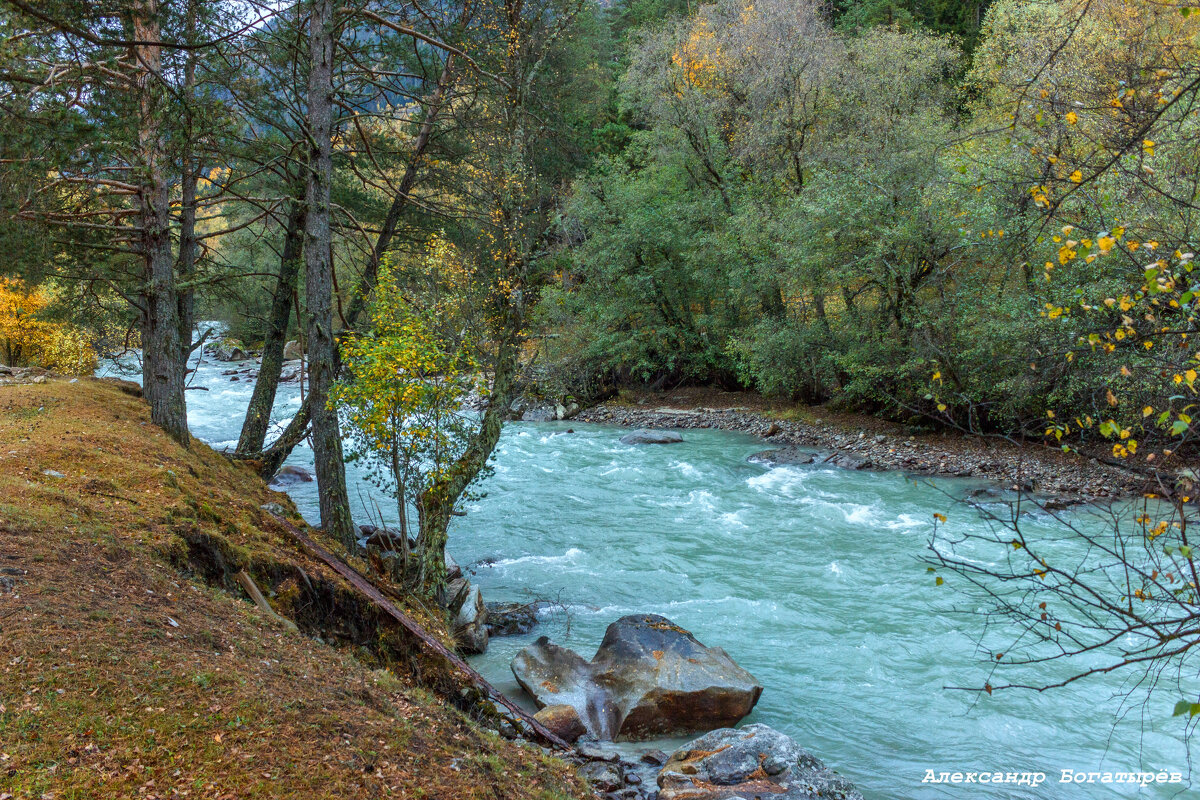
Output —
<point x="811" y="578"/>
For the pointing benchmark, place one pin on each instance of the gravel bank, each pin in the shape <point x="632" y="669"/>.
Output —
<point x="880" y="445"/>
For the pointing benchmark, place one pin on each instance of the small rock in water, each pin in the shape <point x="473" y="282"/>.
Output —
<point x="290" y="474"/>
<point x="651" y="437"/>
<point x="784" y="456"/>
<point x="656" y="757"/>
<point x="512" y="619"/>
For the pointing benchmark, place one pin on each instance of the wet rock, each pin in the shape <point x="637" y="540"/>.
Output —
<point x="292" y="351"/>
<point x="596" y="751"/>
<point x="648" y="678"/>
<point x="385" y="540"/>
<point x="651" y="437"/>
<point x="563" y="721"/>
<point x="470" y="623"/>
<point x="290" y="474"/>
<point x="754" y="761"/>
<point x="655" y="757"/>
<point x="512" y="619"/>
<point x="605" y="777"/>
<point x="453" y="570"/>
<point x="227" y="350"/>
<point x="539" y="413"/>
<point x="849" y="461"/>
<point x="784" y="456"/>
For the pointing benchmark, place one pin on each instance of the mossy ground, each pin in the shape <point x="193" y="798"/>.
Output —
<point x="132" y="666"/>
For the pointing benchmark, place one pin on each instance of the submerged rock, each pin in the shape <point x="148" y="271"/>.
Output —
<point x="754" y="761"/>
<point x="784" y="456"/>
<point x="651" y="437"/>
<point x="648" y="678"/>
<point x="512" y="619"/>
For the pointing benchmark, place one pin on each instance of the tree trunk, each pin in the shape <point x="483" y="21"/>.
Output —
<point x="436" y="504"/>
<point x="272" y="458"/>
<point x="322" y="349"/>
<point x="188" y="243"/>
<point x="162" y="363"/>
<point x="258" y="415"/>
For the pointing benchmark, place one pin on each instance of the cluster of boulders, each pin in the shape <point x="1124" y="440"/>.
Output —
<point x="649" y="678"/>
<point x="527" y="409"/>
<point x="756" y="762"/>
<point x="249" y="361"/>
<point x="23" y="374"/>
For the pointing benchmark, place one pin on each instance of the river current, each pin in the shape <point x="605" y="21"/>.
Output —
<point x="810" y="577"/>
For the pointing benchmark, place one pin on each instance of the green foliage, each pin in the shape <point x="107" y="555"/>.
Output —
<point x="404" y="399"/>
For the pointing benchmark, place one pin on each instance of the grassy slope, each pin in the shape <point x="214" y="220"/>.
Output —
<point x="102" y="696"/>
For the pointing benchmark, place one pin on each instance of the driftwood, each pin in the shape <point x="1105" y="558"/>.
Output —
<point x="251" y="588"/>
<point x="412" y="626"/>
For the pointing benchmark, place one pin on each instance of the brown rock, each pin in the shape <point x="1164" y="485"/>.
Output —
<point x="563" y="721"/>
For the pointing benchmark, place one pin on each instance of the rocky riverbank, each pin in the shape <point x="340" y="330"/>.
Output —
<point x="858" y="442"/>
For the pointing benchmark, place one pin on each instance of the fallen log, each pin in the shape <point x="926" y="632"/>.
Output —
<point x="412" y="626"/>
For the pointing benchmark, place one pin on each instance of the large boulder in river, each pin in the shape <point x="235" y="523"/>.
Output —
<point x="649" y="678"/>
<point x="651" y="437"/>
<point x="754" y="761"/>
<point x="292" y="351"/>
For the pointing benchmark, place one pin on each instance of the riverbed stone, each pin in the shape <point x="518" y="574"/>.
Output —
<point x="512" y="619"/>
<point x="292" y="351"/>
<point x="649" y="678"/>
<point x="563" y="721"/>
<point x="646" y="436"/>
<point x="784" y="456"/>
<point x="754" y="761"/>
<point x="228" y="350"/>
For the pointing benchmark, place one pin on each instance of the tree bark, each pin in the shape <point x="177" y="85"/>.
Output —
<point x="273" y="457"/>
<point x="163" y="366"/>
<point x="322" y="349"/>
<point x="436" y="504"/>
<point x="189" y="245"/>
<point x="258" y="415"/>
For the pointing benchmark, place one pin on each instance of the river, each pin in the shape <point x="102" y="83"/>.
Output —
<point x="810" y="577"/>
